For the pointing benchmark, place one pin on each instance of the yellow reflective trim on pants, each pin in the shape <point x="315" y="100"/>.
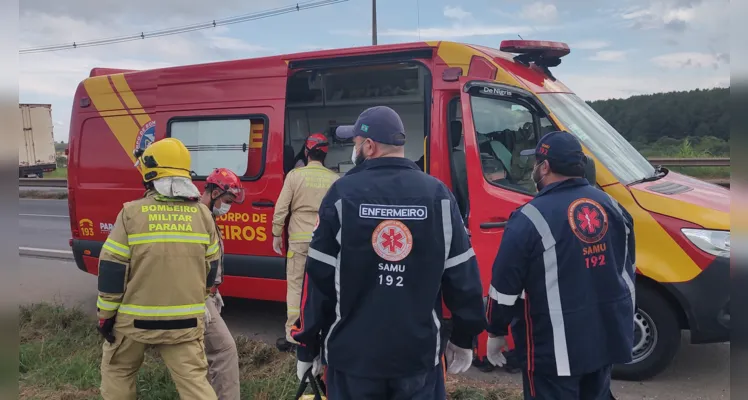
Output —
<point x="290" y="254"/>
<point x="162" y="311"/>
<point x="116" y="248"/>
<point x="168" y="237"/>
<point x="213" y="249"/>
<point x="106" y="305"/>
<point x="300" y="236"/>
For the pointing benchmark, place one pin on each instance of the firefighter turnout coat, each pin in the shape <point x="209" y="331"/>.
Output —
<point x="156" y="269"/>
<point x="564" y="278"/>
<point x="301" y="196"/>
<point x="390" y="245"/>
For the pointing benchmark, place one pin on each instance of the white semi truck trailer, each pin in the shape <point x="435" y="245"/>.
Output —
<point x="36" y="152"/>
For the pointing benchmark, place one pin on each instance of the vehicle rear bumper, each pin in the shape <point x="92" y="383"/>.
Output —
<point x="85" y="248"/>
<point x="706" y="301"/>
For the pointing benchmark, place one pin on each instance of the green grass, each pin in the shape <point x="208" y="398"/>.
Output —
<point x="59" y="173"/>
<point x="42" y="194"/>
<point x="60" y="353"/>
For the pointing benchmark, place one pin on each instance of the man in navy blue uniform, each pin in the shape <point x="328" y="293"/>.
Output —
<point x="388" y="247"/>
<point x="564" y="279"/>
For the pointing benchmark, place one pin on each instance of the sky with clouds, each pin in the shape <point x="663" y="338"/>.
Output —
<point x="619" y="48"/>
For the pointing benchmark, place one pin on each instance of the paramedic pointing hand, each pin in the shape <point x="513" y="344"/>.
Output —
<point x="301" y="195"/>
<point x="389" y="245"/>
<point x="565" y="270"/>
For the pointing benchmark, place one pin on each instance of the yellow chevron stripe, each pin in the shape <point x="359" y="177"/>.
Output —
<point x="115" y="114"/>
<point x="131" y="101"/>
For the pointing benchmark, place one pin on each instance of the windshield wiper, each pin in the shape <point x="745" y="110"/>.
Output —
<point x="659" y="173"/>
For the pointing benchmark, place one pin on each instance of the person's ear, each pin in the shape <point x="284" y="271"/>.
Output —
<point x="371" y="146"/>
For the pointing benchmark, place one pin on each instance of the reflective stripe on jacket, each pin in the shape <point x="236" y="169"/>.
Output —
<point x="564" y="278"/>
<point x="389" y="247"/>
<point x="156" y="268"/>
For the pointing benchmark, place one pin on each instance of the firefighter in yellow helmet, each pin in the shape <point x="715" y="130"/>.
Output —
<point x="155" y="272"/>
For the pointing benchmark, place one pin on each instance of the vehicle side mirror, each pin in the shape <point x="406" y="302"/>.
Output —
<point x="590" y="173"/>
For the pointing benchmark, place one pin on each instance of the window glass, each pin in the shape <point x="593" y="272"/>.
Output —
<point x="234" y="143"/>
<point x="503" y="129"/>
<point x="612" y="149"/>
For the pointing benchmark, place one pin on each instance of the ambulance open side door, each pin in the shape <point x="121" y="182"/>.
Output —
<point x="483" y="105"/>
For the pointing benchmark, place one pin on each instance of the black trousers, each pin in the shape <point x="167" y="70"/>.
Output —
<point x="592" y="386"/>
<point x="426" y="386"/>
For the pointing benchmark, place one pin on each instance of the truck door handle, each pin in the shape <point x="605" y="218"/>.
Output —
<point x="492" y="225"/>
<point x="263" y="203"/>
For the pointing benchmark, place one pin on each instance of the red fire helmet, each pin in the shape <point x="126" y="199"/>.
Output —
<point x="227" y="182"/>
<point x="316" y="141"/>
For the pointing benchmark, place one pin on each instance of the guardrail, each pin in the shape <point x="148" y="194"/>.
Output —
<point x="43" y="182"/>
<point x="690" y="162"/>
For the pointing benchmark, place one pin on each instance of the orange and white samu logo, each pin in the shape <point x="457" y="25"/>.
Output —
<point x="588" y="220"/>
<point x="392" y="240"/>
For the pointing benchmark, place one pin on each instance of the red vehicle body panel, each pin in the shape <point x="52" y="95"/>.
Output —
<point x="113" y="108"/>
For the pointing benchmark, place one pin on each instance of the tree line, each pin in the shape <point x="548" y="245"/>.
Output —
<point x="662" y="124"/>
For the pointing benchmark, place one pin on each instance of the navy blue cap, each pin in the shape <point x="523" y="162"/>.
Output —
<point x="380" y="124"/>
<point x="561" y="147"/>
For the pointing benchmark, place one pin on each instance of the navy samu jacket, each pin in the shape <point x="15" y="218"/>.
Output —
<point x="389" y="245"/>
<point x="564" y="277"/>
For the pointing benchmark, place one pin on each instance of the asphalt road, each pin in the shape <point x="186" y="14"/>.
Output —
<point x="44" y="224"/>
<point x="698" y="372"/>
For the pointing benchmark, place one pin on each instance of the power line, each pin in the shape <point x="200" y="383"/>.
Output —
<point x="307" y="5"/>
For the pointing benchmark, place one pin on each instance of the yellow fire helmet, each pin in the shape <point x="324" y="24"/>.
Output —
<point x="166" y="157"/>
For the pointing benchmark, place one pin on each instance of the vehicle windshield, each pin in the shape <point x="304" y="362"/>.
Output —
<point x="601" y="139"/>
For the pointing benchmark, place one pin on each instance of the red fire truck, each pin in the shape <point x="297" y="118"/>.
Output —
<point x="467" y="110"/>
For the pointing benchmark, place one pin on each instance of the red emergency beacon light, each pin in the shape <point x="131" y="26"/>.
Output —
<point x="540" y="53"/>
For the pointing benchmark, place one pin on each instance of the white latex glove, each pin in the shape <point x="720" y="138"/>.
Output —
<point x="278" y="245"/>
<point x="208" y="318"/>
<point x="458" y="359"/>
<point x="494" y="354"/>
<point x="302" y="367"/>
<point x="219" y="299"/>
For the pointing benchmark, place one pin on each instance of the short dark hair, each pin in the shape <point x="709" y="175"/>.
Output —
<point x="573" y="170"/>
<point x="317" y="155"/>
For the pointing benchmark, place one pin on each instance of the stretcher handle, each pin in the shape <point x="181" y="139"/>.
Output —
<point x="309" y="378"/>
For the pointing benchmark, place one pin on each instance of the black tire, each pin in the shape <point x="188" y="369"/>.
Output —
<point x="657" y="319"/>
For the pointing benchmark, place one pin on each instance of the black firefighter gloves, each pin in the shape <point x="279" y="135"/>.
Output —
<point x="106" y="326"/>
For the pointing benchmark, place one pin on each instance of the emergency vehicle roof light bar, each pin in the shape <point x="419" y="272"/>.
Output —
<point x="543" y="54"/>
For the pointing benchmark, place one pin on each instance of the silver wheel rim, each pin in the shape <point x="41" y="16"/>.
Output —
<point x="645" y="336"/>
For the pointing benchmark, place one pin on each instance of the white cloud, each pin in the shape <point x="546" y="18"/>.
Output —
<point x="456" y="13"/>
<point x="589" y="45"/>
<point x="539" y="11"/>
<point x="610" y="56"/>
<point x="708" y="16"/>
<point x="53" y="77"/>
<point x="690" y="60"/>
<point x="453" y="32"/>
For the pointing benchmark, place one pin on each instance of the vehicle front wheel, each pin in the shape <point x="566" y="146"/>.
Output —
<point x="657" y="337"/>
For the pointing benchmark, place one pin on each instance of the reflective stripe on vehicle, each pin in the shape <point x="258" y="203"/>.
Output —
<point x="162" y="311"/>
<point x="168" y="237"/>
<point x="106" y="305"/>
<point x="116" y="248"/>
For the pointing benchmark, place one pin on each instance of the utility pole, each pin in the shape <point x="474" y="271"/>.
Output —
<point x="374" y="22"/>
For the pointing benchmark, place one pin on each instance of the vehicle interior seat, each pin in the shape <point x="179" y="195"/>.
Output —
<point x="459" y="166"/>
